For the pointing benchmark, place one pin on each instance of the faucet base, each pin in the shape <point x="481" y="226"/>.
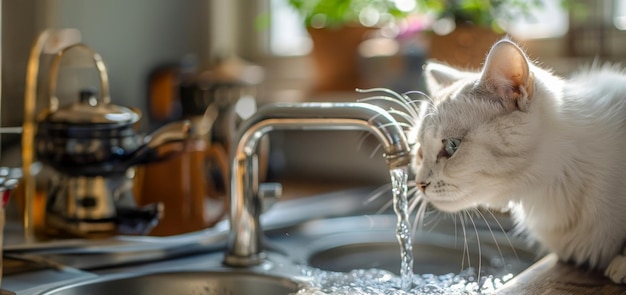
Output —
<point x="244" y="261"/>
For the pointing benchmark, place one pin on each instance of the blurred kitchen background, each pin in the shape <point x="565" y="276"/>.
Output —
<point x="267" y="51"/>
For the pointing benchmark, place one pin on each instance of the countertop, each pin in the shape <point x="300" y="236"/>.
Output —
<point x="553" y="277"/>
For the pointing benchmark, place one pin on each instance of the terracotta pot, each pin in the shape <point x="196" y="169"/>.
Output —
<point x="466" y="47"/>
<point x="335" y="56"/>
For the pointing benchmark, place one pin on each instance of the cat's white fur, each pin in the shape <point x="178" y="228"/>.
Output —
<point x="551" y="150"/>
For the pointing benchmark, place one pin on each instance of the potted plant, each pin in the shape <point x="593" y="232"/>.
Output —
<point x="462" y="30"/>
<point x="337" y="27"/>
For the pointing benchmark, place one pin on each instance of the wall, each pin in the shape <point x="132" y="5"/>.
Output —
<point x="133" y="38"/>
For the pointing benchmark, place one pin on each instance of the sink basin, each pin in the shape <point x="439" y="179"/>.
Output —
<point x="302" y="237"/>
<point x="365" y="242"/>
<point x="433" y="253"/>
<point x="200" y="283"/>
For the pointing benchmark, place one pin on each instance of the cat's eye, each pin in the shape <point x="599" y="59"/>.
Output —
<point x="450" y="145"/>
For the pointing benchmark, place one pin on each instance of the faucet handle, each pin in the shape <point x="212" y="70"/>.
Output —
<point x="270" y="193"/>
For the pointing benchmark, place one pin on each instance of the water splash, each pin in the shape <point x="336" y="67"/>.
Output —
<point x="382" y="282"/>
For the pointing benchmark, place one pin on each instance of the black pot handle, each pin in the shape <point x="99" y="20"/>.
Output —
<point x="162" y="144"/>
<point x="138" y="221"/>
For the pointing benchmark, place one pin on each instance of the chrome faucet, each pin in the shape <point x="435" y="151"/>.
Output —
<point x="244" y="246"/>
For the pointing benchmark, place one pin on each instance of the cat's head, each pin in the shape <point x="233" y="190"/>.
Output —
<point x="473" y="140"/>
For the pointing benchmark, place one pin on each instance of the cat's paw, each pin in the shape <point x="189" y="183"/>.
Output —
<point x="616" y="270"/>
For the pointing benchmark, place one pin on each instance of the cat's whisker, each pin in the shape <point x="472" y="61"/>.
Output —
<point x="493" y="236"/>
<point x="412" y="193"/>
<point x="420" y="93"/>
<point x="505" y="234"/>
<point x="380" y="89"/>
<point x="409" y="102"/>
<point x="414" y="102"/>
<point x="385" y="207"/>
<point x="379" y="146"/>
<point x="361" y="142"/>
<point x="417" y="201"/>
<point x="430" y="115"/>
<point x="465" y="246"/>
<point x="387" y="99"/>
<point x="388" y="102"/>
<point x="403" y="99"/>
<point x="435" y="220"/>
<point x="385" y="188"/>
<point x="414" y="199"/>
<point x="374" y="117"/>
<point x="413" y="204"/>
<point x="480" y="256"/>
<point x="421" y="213"/>
<point x="406" y="126"/>
<point x="375" y="151"/>
<point x="412" y="189"/>
<point x="455" y="229"/>
<point x="410" y="120"/>
<point x="377" y="193"/>
<point x="401" y="124"/>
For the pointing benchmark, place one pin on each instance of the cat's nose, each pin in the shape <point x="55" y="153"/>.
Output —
<point x="422" y="186"/>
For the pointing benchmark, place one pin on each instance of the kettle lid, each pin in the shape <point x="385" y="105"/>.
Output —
<point x="90" y="110"/>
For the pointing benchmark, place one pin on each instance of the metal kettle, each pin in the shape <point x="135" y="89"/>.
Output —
<point x="92" y="146"/>
<point x="95" y="137"/>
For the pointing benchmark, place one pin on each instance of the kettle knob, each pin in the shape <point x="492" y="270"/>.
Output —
<point x="88" y="96"/>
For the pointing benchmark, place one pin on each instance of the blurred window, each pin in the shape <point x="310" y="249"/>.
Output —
<point x="287" y="35"/>
<point x="619" y="14"/>
<point x="550" y="20"/>
<point x="289" y="38"/>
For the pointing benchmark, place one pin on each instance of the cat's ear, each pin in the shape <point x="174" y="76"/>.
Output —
<point x="507" y="73"/>
<point x="439" y="76"/>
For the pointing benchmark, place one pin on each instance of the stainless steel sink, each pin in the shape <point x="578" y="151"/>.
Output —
<point x="306" y="232"/>
<point x="433" y="253"/>
<point x="364" y="242"/>
<point x="206" y="283"/>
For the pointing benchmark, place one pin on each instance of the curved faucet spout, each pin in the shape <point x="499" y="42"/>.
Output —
<point x="244" y="245"/>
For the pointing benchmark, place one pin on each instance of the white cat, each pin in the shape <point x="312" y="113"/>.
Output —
<point x="552" y="150"/>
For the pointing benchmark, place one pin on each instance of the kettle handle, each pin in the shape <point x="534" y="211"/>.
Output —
<point x="54" y="72"/>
